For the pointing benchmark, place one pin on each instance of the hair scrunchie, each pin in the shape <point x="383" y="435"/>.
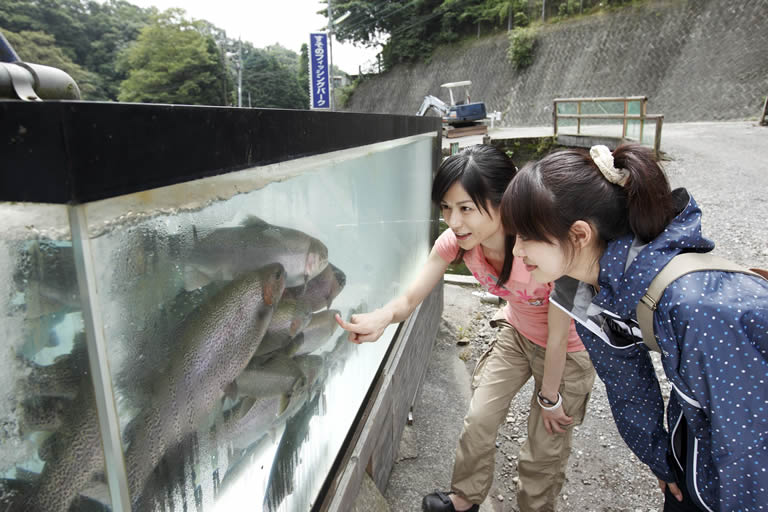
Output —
<point x="603" y="158"/>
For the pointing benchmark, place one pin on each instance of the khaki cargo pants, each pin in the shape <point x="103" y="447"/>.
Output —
<point x="499" y="375"/>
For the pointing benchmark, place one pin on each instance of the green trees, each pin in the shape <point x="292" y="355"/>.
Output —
<point x="89" y="34"/>
<point x="116" y="50"/>
<point x="173" y="61"/>
<point x="412" y="29"/>
<point x="269" y="83"/>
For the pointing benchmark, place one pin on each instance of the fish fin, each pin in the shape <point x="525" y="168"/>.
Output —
<point x="295" y="328"/>
<point x="230" y="390"/>
<point x="285" y="400"/>
<point x="252" y="220"/>
<point x="294" y="345"/>
<point x="97" y="490"/>
<point x="194" y="278"/>
<point x="26" y="475"/>
<point x="268" y="294"/>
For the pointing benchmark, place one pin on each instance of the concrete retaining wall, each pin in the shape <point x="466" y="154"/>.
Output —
<point x="695" y="60"/>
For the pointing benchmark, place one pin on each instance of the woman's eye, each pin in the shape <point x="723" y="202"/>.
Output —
<point x="466" y="209"/>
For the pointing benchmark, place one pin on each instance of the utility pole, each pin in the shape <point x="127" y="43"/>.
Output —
<point x="239" y="72"/>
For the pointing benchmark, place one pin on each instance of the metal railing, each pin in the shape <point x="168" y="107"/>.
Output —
<point x="610" y="109"/>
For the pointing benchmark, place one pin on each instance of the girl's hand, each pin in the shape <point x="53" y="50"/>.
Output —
<point x="556" y="420"/>
<point x="673" y="489"/>
<point x="365" y="326"/>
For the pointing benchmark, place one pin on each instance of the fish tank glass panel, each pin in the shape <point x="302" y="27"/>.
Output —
<point x="233" y="385"/>
<point x="51" y="452"/>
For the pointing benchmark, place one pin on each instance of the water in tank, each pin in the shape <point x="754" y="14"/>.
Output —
<point x="234" y="388"/>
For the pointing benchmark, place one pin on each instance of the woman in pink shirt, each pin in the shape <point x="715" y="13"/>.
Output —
<point x="535" y="339"/>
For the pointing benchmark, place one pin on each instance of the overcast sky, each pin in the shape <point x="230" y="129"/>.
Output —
<point x="266" y="22"/>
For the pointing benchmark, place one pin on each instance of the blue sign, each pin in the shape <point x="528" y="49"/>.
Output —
<point x="319" y="74"/>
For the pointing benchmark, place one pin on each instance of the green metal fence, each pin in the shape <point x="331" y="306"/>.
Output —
<point x="621" y="117"/>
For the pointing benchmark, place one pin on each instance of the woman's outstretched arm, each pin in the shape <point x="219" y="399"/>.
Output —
<point x="369" y="326"/>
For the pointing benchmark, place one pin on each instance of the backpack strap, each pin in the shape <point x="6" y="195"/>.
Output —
<point x="677" y="267"/>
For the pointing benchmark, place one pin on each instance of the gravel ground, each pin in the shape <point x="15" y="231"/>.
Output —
<point x="602" y="475"/>
<point x="725" y="167"/>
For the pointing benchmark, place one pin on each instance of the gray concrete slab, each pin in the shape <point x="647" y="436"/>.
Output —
<point x="508" y="132"/>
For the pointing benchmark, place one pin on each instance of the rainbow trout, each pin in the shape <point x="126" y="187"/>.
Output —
<point x="289" y="319"/>
<point x="320" y="329"/>
<point x="321" y="290"/>
<point x="225" y="253"/>
<point x="79" y="457"/>
<point x="215" y="344"/>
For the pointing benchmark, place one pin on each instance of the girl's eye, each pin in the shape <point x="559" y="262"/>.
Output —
<point x="522" y="238"/>
<point x="466" y="209"/>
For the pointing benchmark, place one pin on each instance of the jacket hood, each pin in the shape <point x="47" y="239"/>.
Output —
<point x="623" y="283"/>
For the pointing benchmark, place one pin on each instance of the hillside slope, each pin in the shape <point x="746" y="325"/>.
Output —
<point x="695" y="60"/>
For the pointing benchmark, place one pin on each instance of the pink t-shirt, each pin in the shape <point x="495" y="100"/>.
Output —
<point x="527" y="299"/>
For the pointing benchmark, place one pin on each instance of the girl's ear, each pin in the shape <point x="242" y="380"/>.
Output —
<point x="582" y="234"/>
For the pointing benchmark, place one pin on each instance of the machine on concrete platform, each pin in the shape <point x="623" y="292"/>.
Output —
<point x="462" y="117"/>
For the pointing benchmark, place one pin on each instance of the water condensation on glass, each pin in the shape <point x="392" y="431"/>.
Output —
<point x="49" y="428"/>
<point x="233" y="383"/>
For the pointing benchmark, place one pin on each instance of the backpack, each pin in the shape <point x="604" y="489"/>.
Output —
<point x="678" y="266"/>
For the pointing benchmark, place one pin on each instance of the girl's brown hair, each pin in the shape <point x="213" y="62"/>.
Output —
<point x="548" y="196"/>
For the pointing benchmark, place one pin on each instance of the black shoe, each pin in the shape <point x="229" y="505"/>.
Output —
<point x="439" y="501"/>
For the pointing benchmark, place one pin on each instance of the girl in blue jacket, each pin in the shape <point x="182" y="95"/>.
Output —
<point x="603" y="225"/>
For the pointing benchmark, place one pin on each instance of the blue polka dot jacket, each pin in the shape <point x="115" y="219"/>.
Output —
<point x="712" y="328"/>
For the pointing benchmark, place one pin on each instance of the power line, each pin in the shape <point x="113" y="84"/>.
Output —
<point x="418" y="22"/>
<point x="361" y="20"/>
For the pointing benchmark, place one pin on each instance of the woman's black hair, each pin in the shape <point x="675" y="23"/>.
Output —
<point x="548" y="196"/>
<point x="484" y="172"/>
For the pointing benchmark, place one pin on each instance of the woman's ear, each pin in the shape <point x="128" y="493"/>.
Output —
<point x="582" y="234"/>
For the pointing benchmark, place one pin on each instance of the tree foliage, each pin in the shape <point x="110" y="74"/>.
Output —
<point x="270" y="79"/>
<point x="304" y="69"/>
<point x="96" y="42"/>
<point x="173" y="61"/>
<point x="522" y="43"/>
<point x="412" y="29"/>
<point x="88" y="33"/>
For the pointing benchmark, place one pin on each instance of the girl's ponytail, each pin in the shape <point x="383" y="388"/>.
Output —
<point x="616" y="192"/>
<point x="650" y="205"/>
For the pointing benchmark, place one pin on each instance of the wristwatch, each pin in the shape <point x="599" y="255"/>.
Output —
<point x="545" y="400"/>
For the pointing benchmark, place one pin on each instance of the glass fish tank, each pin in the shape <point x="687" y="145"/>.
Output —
<point x="169" y="298"/>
